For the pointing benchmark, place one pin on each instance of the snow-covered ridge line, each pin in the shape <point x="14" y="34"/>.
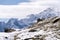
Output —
<point x="29" y="20"/>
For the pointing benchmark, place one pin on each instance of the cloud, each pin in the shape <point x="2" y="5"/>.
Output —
<point x="25" y="8"/>
<point x="38" y="3"/>
<point x="46" y="2"/>
<point x="18" y="11"/>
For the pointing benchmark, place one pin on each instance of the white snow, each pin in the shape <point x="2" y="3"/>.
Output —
<point x="23" y="34"/>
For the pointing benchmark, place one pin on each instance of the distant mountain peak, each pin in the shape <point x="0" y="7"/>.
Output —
<point x="15" y="23"/>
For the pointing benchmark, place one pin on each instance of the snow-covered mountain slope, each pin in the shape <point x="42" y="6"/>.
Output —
<point x="30" y="19"/>
<point x="33" y="17"/>
<point x="48" y="29"/>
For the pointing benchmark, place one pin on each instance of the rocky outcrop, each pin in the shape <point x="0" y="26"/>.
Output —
<point x="47" y="22"/>
<point x="9" y="30"/>
<point x="51" y="24"/>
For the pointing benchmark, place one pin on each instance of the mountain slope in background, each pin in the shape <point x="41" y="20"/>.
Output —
<point x="15" y="23"/>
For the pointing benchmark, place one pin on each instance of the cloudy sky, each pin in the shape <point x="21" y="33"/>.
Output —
<point x="21" y="8"/>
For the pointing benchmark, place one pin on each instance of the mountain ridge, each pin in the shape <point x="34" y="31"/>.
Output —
<point x="15" y="23"/>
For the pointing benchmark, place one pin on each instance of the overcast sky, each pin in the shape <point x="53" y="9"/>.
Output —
<point x="21" y="8"/>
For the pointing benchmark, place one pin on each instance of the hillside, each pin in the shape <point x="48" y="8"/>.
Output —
<point x="47" y="29"/>
<point x="29" y="20"/>
<point x="42" y="26"/>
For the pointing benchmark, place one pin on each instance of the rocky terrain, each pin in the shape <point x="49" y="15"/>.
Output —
<point x="45" y="29"/>
<point x="48" y="29"/>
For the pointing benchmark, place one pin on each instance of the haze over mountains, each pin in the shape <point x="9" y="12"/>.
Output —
<point x="29" y="20"/>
